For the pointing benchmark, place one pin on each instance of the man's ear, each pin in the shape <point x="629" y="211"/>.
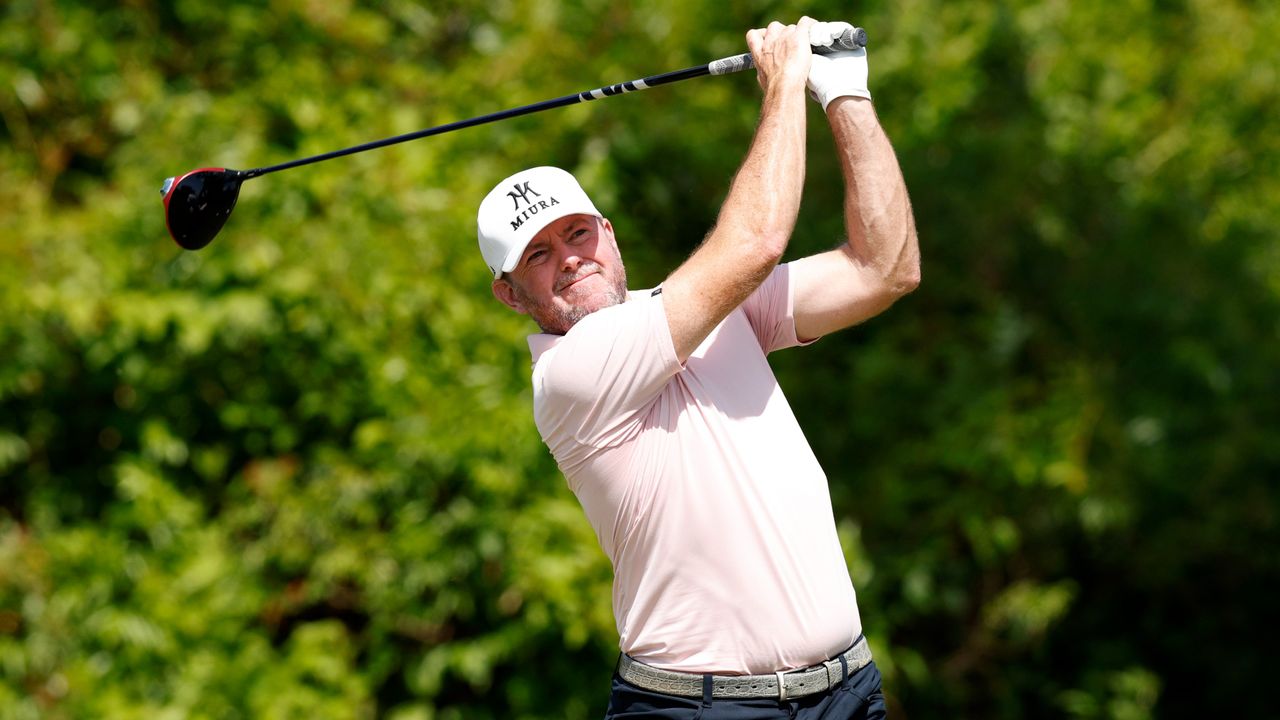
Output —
<point x="506" y="294"/>
<point x="608" y="231"/>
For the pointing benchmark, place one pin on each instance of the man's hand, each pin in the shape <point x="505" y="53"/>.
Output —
<point x="781" y="53"/>
<point x="841" y="74"/>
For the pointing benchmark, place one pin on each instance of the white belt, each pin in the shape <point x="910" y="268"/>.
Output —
<point x="781" y="685"/>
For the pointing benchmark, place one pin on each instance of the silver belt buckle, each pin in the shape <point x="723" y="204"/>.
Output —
<point x="782" y="686"/>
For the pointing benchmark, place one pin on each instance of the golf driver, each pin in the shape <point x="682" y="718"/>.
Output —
<point x="197" y="204"/>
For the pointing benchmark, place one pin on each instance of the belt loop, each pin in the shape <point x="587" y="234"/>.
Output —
<point x="844" y="671"/>
<point x="706" y="690"/>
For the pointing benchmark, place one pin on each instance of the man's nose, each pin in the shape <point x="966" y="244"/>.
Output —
<point x="570" y="261"/>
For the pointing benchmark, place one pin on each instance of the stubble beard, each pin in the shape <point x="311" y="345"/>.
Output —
<point x="558" y="319"/>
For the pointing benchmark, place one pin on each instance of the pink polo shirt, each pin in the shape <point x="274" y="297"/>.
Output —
<point x="700" y="485"/>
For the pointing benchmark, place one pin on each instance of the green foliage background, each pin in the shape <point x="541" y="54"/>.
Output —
<point x="295" y="474"/>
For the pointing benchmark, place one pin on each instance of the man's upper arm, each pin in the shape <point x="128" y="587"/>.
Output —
<point x="833" y="291"/>
<point x="705" y="289"/>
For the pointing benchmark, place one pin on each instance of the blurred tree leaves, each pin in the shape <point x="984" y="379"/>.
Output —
<point x="295" y="474"/>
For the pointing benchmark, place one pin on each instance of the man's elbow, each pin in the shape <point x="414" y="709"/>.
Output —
<point x="771" y="245"/>
<point x="905" y="276"/>
<point x="907" y="280"/>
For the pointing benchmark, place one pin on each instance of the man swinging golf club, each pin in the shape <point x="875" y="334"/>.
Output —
<point x="731" y="593"/>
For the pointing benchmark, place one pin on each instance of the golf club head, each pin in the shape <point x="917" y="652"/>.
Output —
<point x="197" y="204"/>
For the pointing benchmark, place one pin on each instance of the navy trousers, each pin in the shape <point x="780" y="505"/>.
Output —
<point x="857" y="698"/>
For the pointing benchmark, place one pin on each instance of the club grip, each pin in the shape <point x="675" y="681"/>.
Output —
<point x="850" y="39"/>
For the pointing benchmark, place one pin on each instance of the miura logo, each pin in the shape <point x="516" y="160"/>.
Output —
<point x="521" y="192"/>
<point x="532" y="207"/>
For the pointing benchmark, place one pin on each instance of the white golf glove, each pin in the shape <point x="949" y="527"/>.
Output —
<point x="840" y="74"/>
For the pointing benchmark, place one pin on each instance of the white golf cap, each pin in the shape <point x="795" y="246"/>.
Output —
<point x="521" y="205"/>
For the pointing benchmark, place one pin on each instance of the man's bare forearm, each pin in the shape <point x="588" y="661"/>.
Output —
<point x="878" y="218"/>
<point x="764" y="199"/>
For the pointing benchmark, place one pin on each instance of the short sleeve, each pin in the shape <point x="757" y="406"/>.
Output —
<point x="771" y="312"/>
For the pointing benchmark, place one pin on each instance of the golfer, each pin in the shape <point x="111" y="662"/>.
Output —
<point x="731" y="594"/>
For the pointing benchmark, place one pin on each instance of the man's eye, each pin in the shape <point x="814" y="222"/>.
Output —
<point x="536" y="256"/>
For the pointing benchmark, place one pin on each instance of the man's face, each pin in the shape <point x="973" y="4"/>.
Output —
<point x="570" y="269"/>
